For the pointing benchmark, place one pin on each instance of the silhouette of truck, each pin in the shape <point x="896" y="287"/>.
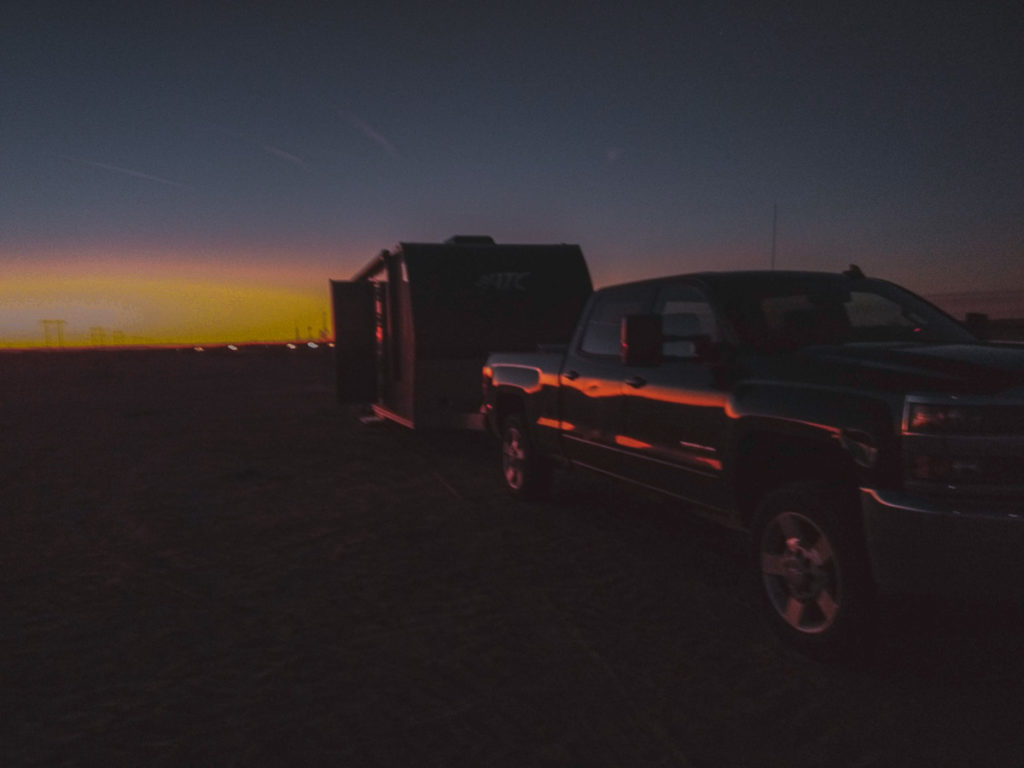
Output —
<point x="867" y="441"/>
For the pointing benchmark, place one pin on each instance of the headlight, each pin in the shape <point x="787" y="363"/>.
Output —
<point x="943" y="419"/>
<point x="961" y="443"/>
<point x="928" y="419"/>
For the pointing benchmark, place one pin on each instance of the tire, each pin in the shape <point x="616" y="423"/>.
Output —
<point x="525" y="473"/>
<point x="815" y="583"/>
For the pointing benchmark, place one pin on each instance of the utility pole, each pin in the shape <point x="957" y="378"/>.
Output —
<point x="57" y="329"/>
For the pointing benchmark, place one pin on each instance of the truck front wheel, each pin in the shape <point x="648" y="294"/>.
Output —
<point x="526" y="473"/>
<point x="816" y="586"/>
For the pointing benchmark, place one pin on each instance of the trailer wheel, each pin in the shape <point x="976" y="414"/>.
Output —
<point x="526" y="474"/>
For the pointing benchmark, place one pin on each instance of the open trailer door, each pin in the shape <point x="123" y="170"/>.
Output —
<point x="355" y="340"/>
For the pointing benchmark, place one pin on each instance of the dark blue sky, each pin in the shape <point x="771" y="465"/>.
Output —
<point x="658" y="136"/>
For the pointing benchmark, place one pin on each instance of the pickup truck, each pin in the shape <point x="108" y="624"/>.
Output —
<point x="869" y="443"/>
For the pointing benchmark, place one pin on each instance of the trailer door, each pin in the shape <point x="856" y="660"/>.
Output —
<point x="355" y="340"/>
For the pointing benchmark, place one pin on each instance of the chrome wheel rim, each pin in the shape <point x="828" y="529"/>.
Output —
<point x="512" y="458"/>
<point x="800" y="573"/>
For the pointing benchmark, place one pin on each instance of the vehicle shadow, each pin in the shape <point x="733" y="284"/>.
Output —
<point x="932" y="641"/>
<point x="949" y="641"/>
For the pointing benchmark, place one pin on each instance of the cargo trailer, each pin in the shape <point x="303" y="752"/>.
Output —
<point x="413" y="327"/>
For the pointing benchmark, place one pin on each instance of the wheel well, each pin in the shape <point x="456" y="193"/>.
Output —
<point x="767" y="461"/>
<point x="505" y="405"/>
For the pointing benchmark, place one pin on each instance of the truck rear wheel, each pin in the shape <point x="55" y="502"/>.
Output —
<point x="815" y="582"/>
<point x="526" y="474"/>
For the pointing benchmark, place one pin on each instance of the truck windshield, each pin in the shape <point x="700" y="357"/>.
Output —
<point x="787" y="312"/>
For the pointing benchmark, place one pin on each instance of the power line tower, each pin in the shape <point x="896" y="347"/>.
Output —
<point x="53" y="329"/>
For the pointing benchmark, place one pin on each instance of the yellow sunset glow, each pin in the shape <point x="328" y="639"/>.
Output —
<point x="105" y="302"/>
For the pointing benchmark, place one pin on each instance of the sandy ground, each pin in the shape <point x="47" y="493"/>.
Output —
<point x="205" y="561"/>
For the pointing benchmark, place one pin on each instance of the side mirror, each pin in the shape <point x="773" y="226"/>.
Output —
<point x="640" y="340"/>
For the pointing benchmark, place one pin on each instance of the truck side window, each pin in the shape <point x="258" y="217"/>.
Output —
<point x="685" y="311"/>
<point x="601" y="335"/>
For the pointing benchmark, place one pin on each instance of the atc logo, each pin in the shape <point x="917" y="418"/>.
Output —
<point x="503" y="281"/>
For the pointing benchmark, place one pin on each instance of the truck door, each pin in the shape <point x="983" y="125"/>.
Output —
<point x="591" y="380"/>
<point x="673" y="415"/>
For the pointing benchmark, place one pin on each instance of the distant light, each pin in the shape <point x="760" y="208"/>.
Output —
<point x="331" y="344"/>
<point x="290" y="345"/>
<point x="232" y="347"/>
<point x="198" y="349"/>
<point x="312" y="345"/>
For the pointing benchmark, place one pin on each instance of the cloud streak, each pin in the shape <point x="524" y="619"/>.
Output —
<point x="370" y="132"/>
<point x="270" y="149"/>
<point x="288" y="157"/>
<point x="128" y="172"/>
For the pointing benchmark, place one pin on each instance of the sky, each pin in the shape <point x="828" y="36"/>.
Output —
<point x="197" y="172"/>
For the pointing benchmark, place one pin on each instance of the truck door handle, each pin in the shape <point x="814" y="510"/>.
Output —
<point x="636" y="382"/>
<point x="571" y="375"/>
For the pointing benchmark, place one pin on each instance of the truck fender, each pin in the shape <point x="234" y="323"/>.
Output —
<point x="783" y="433"/>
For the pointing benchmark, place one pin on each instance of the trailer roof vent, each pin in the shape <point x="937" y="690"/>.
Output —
<point x="470" y="240"/>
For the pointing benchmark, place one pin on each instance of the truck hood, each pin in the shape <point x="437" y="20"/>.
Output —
<point x="967" y="368"/>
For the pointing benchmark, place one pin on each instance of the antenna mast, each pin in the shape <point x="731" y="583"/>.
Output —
<point x="775" y="229"/>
